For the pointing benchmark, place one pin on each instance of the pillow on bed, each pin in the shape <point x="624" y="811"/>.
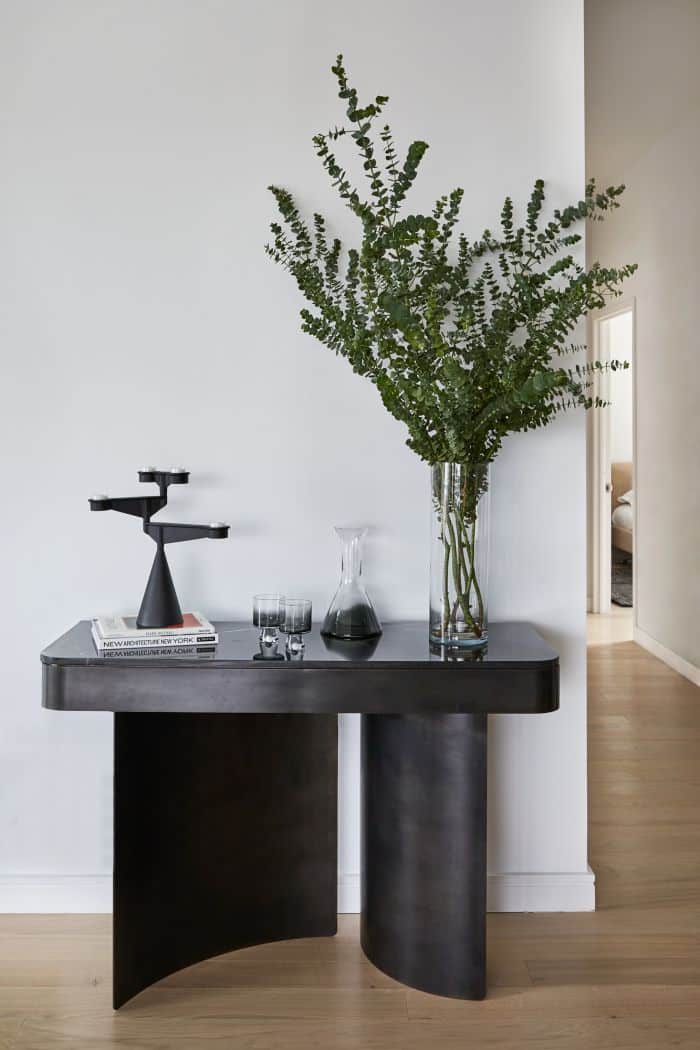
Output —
<point x="626" y="497"/>
<point x="623" y="518"/>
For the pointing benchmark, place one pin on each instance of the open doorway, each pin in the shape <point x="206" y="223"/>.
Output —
<point x="613" y="504"/>
<point x="620" y="339"/>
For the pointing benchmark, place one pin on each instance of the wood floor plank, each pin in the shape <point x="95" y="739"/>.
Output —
<point x="199" y="1014"/>
<point x="608" y="1034"/>
<point x="45" y="925"/>
<point x="575" y="1001"/>
<point x="60" y="949"/>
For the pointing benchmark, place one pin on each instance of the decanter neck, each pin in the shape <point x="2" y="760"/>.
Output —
<point x="351" y="562"/>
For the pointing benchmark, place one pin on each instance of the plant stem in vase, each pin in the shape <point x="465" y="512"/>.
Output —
<point x="459" y="561"/>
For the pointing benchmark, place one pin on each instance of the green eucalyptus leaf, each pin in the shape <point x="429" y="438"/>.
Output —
<point x="457" y="335"/>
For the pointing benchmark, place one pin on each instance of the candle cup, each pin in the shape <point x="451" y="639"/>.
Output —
<point x="296" y="623"/>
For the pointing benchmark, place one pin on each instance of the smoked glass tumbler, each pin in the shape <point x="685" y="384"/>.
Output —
<point x="268" y="616"/>
<point x="296" y="623"/>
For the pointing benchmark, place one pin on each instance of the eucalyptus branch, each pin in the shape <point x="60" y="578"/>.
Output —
<point x="460" y="337"/>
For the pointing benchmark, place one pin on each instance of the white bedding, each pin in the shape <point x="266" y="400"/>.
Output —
<point x="623" y="517"/>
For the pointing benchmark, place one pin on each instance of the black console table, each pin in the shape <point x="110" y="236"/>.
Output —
<point x="225" y="827"/>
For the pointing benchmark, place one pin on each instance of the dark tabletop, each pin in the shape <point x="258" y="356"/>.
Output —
<point x="396" y="673"/>
<point x="402" y="644"/>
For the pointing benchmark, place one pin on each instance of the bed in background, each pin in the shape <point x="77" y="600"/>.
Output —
<point x="622" y="512"/>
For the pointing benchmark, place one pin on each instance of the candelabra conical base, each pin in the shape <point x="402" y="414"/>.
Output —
<point x="160" y="606"/>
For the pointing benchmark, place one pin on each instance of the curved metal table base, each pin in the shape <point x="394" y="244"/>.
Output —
<point x="225" y="793"/>
<point x="224" y="837"/>
<point x="424" y="850"/>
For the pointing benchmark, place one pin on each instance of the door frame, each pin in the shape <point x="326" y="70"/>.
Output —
<point x="600" y="503"/>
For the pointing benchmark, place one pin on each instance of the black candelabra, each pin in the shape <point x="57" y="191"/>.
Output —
<point x="160" y="606"/>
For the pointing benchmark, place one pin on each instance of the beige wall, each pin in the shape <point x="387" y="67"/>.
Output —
<point x="621" y="340"/>
<point x="643" y="129"/>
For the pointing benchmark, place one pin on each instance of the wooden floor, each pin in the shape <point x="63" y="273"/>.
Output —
<point x="626" y="977"/>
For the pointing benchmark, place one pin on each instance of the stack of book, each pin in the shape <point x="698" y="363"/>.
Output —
<point x="119" y="636"/>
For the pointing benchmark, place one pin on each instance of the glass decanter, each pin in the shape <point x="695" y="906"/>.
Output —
<point x="351" y="614"/>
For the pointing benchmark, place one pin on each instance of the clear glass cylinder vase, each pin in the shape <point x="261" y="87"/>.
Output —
<point x="351" y="614"/>
<point x="459" y="559"/>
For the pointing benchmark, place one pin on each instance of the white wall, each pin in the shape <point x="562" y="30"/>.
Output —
<point x="141" y="321"/>
<point x="620" y="336"/>
<point x="643" y="129"/>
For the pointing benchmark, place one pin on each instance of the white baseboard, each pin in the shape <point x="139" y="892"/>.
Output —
<point x="349" y="893"/>
<point x="541" y="891"/>
<point x="683" y="667"/>
<point x="513" y="891"/>
<point x="55" y="893"/>
<point x="538" y="891"/>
